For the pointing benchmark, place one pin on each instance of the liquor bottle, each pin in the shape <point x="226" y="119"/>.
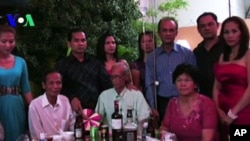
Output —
<point x="151" y="128"/>
<point x="130" y="123"/>
<point x="130" y="127"/>
<point x="117" y="123"/>
<point x="79" y="127"/>
<point x="104" y="129"/>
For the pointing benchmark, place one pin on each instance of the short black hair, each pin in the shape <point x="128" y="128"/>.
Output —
<point x="167" y="19"/>
<point x="74" y="30"/>
<point x="187" y="69"/>
<point x="47" y="72"/>
<point x="207" y="14"/>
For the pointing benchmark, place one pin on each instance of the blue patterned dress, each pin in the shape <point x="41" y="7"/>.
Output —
<point x="12" y="107"/>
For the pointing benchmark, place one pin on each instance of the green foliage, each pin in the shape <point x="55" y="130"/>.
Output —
<point x="171" y="6"/>
<point x="129" y="53"/>
<point x="45" y="44"/>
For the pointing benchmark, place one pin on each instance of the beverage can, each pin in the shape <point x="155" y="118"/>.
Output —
<point x="94" y="132"/>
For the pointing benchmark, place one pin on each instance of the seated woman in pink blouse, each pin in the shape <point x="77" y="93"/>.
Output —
<point x="191" y="116"/>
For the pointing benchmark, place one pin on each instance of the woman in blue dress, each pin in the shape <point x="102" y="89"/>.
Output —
<point x="14" y="87"/>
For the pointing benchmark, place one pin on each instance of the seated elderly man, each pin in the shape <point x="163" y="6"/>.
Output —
<point x="50" y="112"/>
<point x="127" y="98"/>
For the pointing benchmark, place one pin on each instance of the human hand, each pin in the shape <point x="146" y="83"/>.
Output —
<point x="224" y="118"/>
<point x="163" y="135"/>
<point x="76" y="105"/>
<point x="228" y="120"/>
<point x="222" y="115"/>
<point x="155" y="113"/>
<point x="130" y="86"/>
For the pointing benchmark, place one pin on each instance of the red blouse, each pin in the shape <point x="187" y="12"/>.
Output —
<point x="189" y="127"/>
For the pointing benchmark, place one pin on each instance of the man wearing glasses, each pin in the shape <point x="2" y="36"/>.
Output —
<point x="132" y="99"/>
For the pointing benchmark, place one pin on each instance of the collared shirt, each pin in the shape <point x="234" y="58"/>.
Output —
<point x="46" y="118"/>
<point x="127" y="99"/>
<point x="160" y="65"/>
<point x="205" y="62"/>
<point x="84" y="80"/>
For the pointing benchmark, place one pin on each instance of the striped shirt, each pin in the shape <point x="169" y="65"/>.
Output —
<point x="166" y="63"/>
<point x="84" y="80"/>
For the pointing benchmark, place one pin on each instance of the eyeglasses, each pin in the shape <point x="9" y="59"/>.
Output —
<point x="116" y="76"/>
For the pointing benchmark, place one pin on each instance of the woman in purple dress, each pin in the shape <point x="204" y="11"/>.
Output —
<point x="146" y="44"/>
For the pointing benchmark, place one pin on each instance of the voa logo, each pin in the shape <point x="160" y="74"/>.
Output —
<point x="20" y="20"/>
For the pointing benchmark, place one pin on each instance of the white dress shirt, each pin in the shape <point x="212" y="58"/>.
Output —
<point x="45" y="118"/>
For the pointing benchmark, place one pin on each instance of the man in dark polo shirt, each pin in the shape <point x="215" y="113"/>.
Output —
<point x="207" y="52"/>
<point x="84" y="77"/>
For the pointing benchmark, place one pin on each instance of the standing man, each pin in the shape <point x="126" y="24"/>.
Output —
<point x="84" y="77"/>
<point x="51" y="112"/>
<point x="160" y="65"/>
<point x="207" y="52"/>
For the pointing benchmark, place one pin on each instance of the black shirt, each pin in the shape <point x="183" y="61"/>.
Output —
<point x="205" y="62"/>
<point x="84" y="80"/>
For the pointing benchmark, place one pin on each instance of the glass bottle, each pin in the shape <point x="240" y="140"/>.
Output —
<point x="144" y="130"/>
<point x="130" y="127"/>
<point x="104" y="132"/>
<point x="79" y="127"/>
<point x="117" y="123"/>
<point x="151" y="128"/>
<point x="130" y="124"/>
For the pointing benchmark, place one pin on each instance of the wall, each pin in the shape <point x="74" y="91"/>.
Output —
<point x="192" y="36"/>
<point x="187" y="17"/>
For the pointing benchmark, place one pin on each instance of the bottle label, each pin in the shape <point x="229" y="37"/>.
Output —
<point x="116" y="124"/>
<point x="78" y="133"/>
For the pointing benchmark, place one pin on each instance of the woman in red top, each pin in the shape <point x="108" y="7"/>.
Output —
<point x="232" y="84"/>
<point x="191" y="116"/>
<point x="107" y="52"/>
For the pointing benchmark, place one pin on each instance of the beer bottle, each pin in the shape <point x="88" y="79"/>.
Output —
<point x="151" y="128"/>
<point x="79" y="127"/>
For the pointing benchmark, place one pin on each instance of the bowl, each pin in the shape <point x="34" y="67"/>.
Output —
<point x="68" y="136"/>
<point x="57" y="138"/>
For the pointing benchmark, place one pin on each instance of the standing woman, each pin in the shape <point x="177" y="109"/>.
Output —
<point x="232" y="84"/>
<point x="146" y="44"/>
<point x="14" y="86"/>
<point x="107" y="52"/>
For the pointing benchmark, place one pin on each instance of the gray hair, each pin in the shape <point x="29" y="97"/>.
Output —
<point x="123" y="66"/>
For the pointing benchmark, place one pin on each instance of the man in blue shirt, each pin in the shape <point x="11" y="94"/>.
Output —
<point x="160" y="65"/>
